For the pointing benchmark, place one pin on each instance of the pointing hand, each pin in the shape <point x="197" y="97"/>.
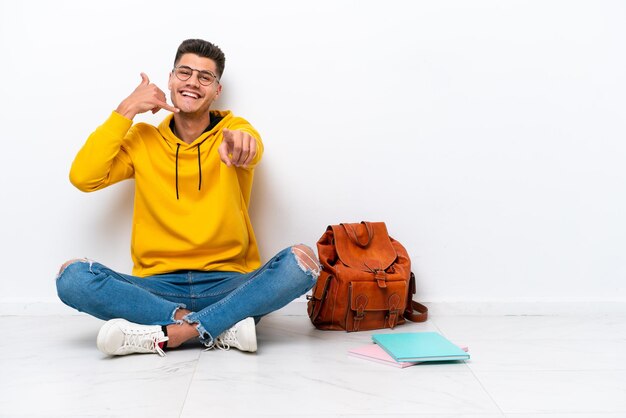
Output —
<point x="238" y="148"/>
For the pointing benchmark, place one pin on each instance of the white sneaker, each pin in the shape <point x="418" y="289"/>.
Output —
<point x="241" y="336"/>
<point x="119" y="337"/>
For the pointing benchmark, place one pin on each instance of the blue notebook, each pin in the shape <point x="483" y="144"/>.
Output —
<point x="419" y="346"/>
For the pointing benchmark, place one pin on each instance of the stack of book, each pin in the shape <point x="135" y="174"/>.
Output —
<point x="407" y="349"/>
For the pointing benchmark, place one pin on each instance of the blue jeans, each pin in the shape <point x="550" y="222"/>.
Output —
<point x="217" y="300"/>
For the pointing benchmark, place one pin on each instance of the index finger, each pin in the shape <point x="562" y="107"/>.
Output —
<point x="227" y="133"/>
<point x="237" y="146"/>
<point x="223" y="152"/>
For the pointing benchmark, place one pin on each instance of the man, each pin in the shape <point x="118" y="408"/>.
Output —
<point x="197" y="271"/>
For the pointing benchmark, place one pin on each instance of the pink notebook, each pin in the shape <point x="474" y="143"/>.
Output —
<point x="373" y="352"/>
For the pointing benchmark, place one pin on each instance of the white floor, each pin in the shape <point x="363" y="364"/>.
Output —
<point x="521" y="366"/>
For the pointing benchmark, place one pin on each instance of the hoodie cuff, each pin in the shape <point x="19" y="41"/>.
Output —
<point x="117" y="122"/>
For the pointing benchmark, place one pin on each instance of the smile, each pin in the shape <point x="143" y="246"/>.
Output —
<point x="190" y="94"/>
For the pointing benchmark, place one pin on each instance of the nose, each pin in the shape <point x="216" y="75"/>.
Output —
<point x="194" y="79"/>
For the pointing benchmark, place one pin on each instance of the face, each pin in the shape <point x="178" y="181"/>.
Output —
<point x="191" y="96"/>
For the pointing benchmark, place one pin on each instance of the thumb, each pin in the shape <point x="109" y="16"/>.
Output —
<point x="144" y="80"/>
<point x="227" y="133"/>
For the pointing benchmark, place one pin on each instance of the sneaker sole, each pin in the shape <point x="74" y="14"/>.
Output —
<point x="103" y="335"/>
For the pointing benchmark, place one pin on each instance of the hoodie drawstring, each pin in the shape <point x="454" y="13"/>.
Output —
<point x="177" y="148"/>
<point x="199" y="170"/>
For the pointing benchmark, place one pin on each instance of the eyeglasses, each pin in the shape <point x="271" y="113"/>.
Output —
<point x="184" y="73"/>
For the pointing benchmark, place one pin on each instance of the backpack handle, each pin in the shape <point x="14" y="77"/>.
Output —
<point x="353" y="237"/>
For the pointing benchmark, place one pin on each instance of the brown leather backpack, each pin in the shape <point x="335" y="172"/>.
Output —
<point x="366" y="281"/>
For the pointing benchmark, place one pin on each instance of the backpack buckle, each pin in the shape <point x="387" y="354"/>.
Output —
<point x="381" y="278"/>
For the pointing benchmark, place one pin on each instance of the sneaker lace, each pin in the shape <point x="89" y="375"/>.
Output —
<point x="147" y="341"/>
<point x="224" y="340"/>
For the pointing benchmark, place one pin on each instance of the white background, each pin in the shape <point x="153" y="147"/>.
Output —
<point x="488" y="135"/>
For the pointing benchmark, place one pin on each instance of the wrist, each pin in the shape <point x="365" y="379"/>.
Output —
<point x="126" y="110"/>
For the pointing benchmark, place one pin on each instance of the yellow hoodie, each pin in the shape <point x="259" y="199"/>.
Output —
<point x="191" y="210"/>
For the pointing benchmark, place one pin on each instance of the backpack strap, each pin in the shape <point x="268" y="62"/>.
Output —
<point x="412" y="306"/>
<point x="316" y="299"/>
<point x="422" y="314"/>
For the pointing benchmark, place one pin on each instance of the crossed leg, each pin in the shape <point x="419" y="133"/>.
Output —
<point x="183" y="330"/>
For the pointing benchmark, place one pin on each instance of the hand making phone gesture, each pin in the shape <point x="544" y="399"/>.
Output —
<point x="147" y="96"/>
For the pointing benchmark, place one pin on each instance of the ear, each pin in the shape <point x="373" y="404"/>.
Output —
<point x="218" y="91"/>
<point x="169" y="81"/>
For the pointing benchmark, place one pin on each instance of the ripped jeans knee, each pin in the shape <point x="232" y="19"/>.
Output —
<point x="72" y="261"/>
<point x="307" y="260"/>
